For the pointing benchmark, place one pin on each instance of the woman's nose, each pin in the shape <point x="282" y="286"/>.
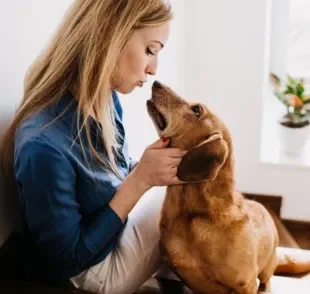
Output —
<point x="152" y="68"/>
<point x="150" y="72"/>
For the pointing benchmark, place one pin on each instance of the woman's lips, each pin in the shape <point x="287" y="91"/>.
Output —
<point x="141" y="83"/>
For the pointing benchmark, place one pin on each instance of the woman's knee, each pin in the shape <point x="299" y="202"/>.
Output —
<point x="136" y="256"/>
<point x="141" y="232"/>
<point x="151" y="202"/>
<point x="147" y="211"/>
<point x="128" y="274"/>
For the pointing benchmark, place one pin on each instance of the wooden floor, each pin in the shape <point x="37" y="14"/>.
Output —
<point x="151" y="287"/>
<point x="279" y="285"/>
<point x="162" y="286"/>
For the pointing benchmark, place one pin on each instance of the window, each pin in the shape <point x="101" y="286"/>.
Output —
<point x="298" y="39"/>
<point x="290" y="39"/>
<point x="289" y="54"/>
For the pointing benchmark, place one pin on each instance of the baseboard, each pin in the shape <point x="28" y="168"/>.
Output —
<point x="293" y="233"/>
<point x="273" y="202"/>
<point x="300" y="231"/>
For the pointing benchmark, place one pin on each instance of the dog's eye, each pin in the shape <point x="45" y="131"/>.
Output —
<point x="196" y="109"/>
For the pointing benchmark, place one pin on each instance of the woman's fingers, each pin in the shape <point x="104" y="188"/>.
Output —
<point x="159" y="144"/>
<point x="176" y="181"/>
<point x="172" y="177"/>
<point x="174" y="162"/>
<point x="174" y="152"/>
<point x="159" y="165"/>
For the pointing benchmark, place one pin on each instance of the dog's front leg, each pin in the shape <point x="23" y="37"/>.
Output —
<point x="249" y="287"/>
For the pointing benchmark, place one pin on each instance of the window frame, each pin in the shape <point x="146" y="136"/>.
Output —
<point x="280" y="16"/>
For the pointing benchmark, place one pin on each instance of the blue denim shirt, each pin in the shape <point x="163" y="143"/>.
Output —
<point x="68" y="223"/>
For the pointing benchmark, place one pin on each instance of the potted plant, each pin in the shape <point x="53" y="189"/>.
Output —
<point x="294" y="124"/>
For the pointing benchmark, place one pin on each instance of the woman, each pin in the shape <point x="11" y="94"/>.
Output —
<point x="66" y="149"/>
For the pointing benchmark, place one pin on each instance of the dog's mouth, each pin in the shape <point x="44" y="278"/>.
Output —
<point x="156" y="115"/>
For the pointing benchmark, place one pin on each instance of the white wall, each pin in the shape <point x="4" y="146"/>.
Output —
<point x="227" y="69"/>
<point x="25" y="26"/>
<point x="279" y="36"/>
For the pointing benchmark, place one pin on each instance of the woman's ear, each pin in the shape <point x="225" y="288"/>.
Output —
<point x="204" y="161"/>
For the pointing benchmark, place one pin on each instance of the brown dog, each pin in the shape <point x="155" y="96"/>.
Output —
<point x="213" y="239"/>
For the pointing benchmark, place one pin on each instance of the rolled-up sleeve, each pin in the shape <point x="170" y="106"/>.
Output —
<point x="133" y="163"/>
<point x="47" y="180"/>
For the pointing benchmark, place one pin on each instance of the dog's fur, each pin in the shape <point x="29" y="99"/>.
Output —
<point x="214" y="240"/>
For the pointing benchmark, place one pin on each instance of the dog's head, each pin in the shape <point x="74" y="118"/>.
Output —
<point x="193" y="127"/>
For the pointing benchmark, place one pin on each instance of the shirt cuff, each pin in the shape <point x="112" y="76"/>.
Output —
<point x="104" y="229"/>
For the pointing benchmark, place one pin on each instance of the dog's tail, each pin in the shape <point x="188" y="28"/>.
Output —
<point x="292" y="261"/>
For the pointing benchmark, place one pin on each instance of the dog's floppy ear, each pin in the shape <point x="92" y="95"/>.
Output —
<point x="204" y="161"/>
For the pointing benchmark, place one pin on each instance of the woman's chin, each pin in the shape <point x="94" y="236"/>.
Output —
<point x="125" y="90"/>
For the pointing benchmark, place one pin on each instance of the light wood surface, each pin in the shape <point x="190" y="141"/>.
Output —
<point x="288" y="285"/>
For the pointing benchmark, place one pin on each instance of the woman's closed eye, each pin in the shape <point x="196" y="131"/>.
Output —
<point x="149" y="51"/>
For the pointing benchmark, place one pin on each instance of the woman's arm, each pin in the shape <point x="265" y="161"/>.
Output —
<point x="65" y="243"/>
<point x="127" y="195"/>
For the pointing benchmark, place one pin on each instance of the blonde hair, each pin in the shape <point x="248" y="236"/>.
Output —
<point x="82" y="55"/>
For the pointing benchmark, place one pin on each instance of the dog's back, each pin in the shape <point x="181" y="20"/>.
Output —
<point x="217" y="255"/>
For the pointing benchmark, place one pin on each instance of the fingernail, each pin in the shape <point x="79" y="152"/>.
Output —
<point x="165" y="139"/>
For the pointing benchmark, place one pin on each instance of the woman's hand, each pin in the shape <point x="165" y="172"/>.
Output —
<point x="158" y="165"/>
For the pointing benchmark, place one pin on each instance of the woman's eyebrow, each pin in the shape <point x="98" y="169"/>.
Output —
<point x="160" y="43"/>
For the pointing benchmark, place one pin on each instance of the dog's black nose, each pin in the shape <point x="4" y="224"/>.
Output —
<point x="157" y="84"/>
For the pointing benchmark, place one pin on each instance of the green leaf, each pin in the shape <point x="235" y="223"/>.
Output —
<point x="289" y="90"/>
<point x="299" y="90"/>
<point x="291" y="81"/>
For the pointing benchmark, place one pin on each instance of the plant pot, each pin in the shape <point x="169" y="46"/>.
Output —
<point x="292" y="140"/>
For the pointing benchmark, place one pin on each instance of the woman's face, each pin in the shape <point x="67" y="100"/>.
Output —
<point x="139" y="58"/>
